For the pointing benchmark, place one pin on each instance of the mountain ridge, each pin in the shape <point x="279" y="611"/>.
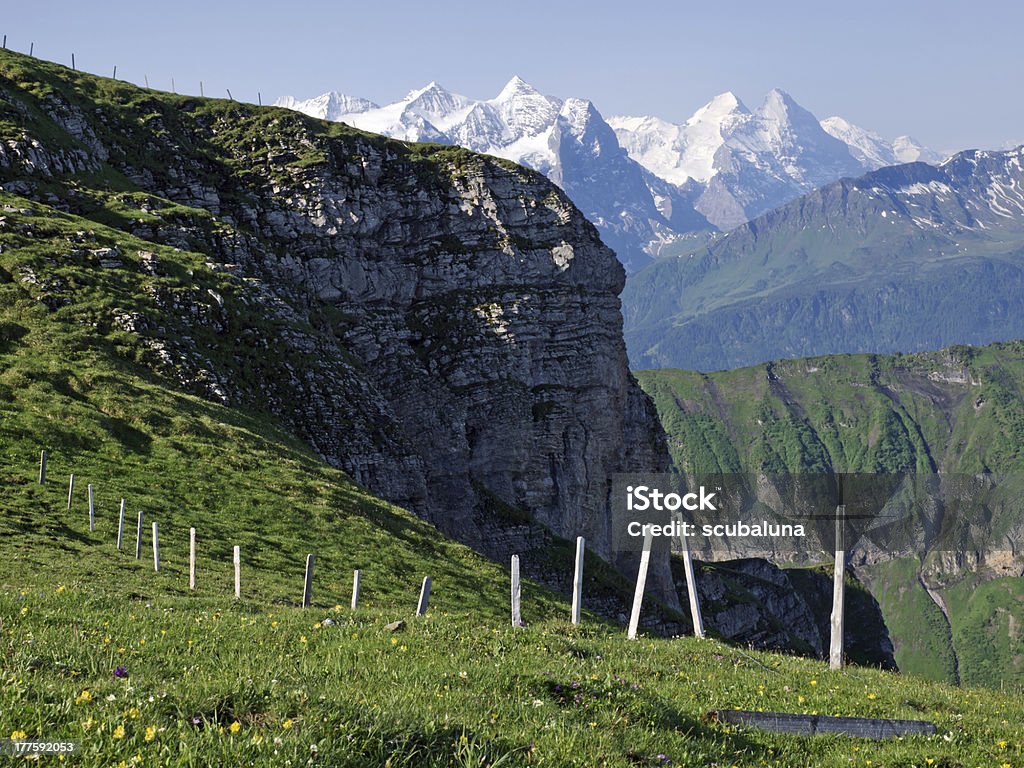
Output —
<point x="621" y="171"/>
<point x="861" y="265"/>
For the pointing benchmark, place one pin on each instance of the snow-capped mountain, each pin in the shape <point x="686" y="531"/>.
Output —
<point x="751" y="162"/>
<point x="566" y="139"/>
<point x="873" y="150"/>
<point x="649" y="185"/>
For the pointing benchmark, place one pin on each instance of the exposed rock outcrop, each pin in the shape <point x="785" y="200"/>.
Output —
<point x="447" y="325"/>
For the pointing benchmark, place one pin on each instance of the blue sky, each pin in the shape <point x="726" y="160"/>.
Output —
<point x="947" y="73"/>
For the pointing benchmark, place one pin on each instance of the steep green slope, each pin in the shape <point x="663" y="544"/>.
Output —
<point x="955" y="411"/>
<point x="902" y="259"/>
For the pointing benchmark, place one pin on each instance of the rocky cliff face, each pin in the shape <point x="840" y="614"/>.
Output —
<point x="447" y="326"/>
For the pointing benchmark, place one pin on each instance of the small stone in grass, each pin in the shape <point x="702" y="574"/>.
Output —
<point x="395" y="626"/>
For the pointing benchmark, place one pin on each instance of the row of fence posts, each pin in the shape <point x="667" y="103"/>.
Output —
<point x="838" y="597"/>
<point x="32" y="48"/>
<point x="424" y="598"/>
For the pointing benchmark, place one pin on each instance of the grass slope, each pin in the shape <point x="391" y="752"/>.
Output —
<point x="960" y="410"/>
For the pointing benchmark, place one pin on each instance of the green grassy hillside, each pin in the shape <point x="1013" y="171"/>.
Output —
<point x="956" y="411"/>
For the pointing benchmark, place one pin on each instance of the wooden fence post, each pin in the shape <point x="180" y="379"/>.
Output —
<point x="307" y="585"/>
<point x="156" y="548"/>
<point x="577" y="581"/>
<point x="92" y="515"/>
<point x="421" y="608"/>
<point x="517" y="619"/>
<point x="138" y="537"/>
<point x="71" y="489"/>
<point x="835" y="647"/>
<point x="236" y="556"/>
<point x="355" y="589"/>
<point x="191" y="558"/>
<point x="120" y="526"/>
<point x="691" y="590"/>
<point x="641" y="583"/>
<point x="42" y="467"/>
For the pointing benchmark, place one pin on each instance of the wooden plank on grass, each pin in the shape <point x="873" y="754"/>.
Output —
<point x="236" y="556"/>
<point x="355" y="589"/>
<point x="811" y="725"/>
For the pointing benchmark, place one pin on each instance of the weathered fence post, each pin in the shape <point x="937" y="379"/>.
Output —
<point x="355" y="589"/>
<point x="641" y="583"/>
<point x="42" y="467"/>
<point x="835" y="648"/>
<point x="120" y="526"/>
<point x="577" y="581"/>
<point x="138" y="537"/>
<point x="259" y="98"/>
<point x="156" y="548"/>
<point x="31" y="48"/>
<point x="307" y="585"/>
<point x="72" y="61"/>
<point x="114" y="76"/>
<point x="191" y="558"/>
<point x="421" y="608"/>
<point x="517" y="619"/>
<point x="236" y="556"/>
<point x="201" y="94"/>
<point x="71" y="489"/>
<point x="92" y="515"/>
<point x="691" y="590"/>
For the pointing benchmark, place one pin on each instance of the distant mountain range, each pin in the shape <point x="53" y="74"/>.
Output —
<point x="907" y="258"/>
<point x="653" y="188"/>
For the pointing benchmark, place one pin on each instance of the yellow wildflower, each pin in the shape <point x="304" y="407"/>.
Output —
<point x="287" y="724"/>
<point x="134" y="713"/>
<point x="872" y="696"/>
<point x="83" y="697"/>
<point x="150" y="733"/>
<point x="119" y="732"/>
<point x="303" y="640"/>
<point x="814" y="682"/>
<point x="15" y="735"/>
<point x="235" y="727"/>
<point x="257" y="738"/>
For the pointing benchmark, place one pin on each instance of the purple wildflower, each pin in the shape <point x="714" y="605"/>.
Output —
<point x="120" y="672"/>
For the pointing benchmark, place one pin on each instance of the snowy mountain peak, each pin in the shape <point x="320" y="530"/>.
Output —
<point x="514" y="88"/>
<point x="328" y="106"/>
<point x="722" y="104"/>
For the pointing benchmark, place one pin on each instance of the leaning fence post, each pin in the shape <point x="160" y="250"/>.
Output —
<point x="577" y="581"/>
<point x="307" y="585"/>
<point x="355" y="589"/>
<point x="156" y="548"/>
<point x="421" y="608"/>
<point x="236" y="556"/>
<point x="691" y="590"/>
<point x="92" y="516"/>
<point x="71" y="489"/>
<point x="120" y="526"/>
<point x="138" y="537"/>
<point x="191" y="558"/>
<point x="517" y="619"/>
<point x="641" y="583"/>
<point x="42" y="467"/>
<point x="835" y="648"/>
